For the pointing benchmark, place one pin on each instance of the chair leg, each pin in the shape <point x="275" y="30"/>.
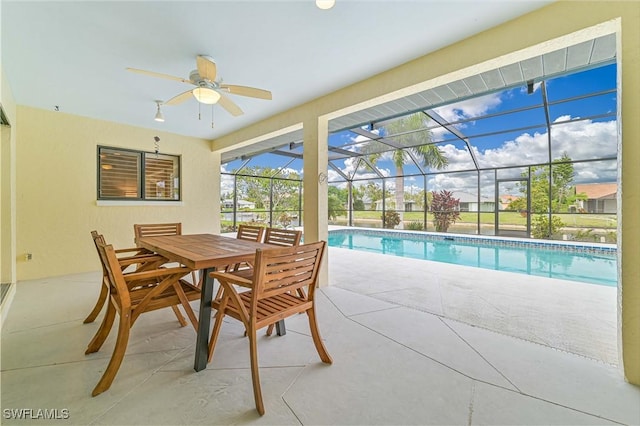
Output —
<point x="218" y="295"/>
<point x="103" y="332"/>
<point x="255" y="374"/>
<point x="104" y="292"/>
<point x="280" y="327"/>
<point x="181" y="320"/>
<point x="117" y="356"/>
<point x="270" y="329"/>
<point x="196" y="281"/>
<point x="317" y="340"/>
<point x="216" y="329"/>
<point x="185" y="305"/>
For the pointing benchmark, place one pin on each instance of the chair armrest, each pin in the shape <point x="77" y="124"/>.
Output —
<point x="155" y="273"/>
<point x="138" y="250"/>
<point x="132" y="260"/>
<point x="232" y="278"/>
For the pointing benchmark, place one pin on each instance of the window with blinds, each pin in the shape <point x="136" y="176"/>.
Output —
<point x="136" y="175"/>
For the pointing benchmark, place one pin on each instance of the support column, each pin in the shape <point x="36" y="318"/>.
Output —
<point x="216" y="164"/>
<point x="316" y="213"/>
<point x="8" y="255"/>
<point x="629" y="197"/>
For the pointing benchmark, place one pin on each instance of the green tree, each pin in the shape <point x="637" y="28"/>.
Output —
<point x="561" y="189"/>
<point x="408" y="132"/>
<point x="261" y="186"/>
<point x="358" y="205"/>
<point x="373" y="192"/>
<point x="562" y="174"/>
<point x="542" y="228"/>
<point x="358" y="195"/>
<point x="337" y="201"/>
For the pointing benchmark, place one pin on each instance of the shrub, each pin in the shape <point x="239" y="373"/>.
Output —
<point x="445" y="210"/>
<point x="540" y="226"/>
<point x="390" y="219"/>
<point x="585" y="235"/>
<point x="226" y="227"/>
<point x="285" y="220"/>
<point x="416" y="225"/>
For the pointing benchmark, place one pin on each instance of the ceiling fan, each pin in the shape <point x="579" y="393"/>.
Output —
<point x="208" y="90"/>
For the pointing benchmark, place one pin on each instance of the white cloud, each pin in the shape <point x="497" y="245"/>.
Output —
<point x="226" y="184"/>
<point x="469" y="108"/>
<point x="464" y="110"/>
<point x="582" y="140"/>
<point x="288" y="171"/>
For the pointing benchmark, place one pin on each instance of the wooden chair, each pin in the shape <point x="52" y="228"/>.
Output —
<point x="274" y="280"/>
<point x="156" y="229"/>
<point x="250" y="232"/>
<point x="131" y="295"/>
<point x="160" y="230"/>
<point x="143" y="260"/>
<point x="283" y="238"/>
<point x="134" y="256"/>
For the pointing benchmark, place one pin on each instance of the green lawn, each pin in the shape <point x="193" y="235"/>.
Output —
<point x="571" y="220"/>
<point x="577" y="226"/>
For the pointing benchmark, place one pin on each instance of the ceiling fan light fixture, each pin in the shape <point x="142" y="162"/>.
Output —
<point x="325" y="4"/>
<point x="206" y="95"/>
<point x="159" y="117"/>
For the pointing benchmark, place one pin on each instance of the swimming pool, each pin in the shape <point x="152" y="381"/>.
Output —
<point x="595" y="264"/>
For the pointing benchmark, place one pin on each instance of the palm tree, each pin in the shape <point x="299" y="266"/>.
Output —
<point x="405" y="132"/>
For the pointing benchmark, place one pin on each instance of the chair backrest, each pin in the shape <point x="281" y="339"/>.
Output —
<point x="113" y="273"/>
<point x="156" y="230"/>
<point x="250" y="232"/>
<point x="286" y="269"/>
<point x="98" y="238"/>
<point x="282" y="237"/>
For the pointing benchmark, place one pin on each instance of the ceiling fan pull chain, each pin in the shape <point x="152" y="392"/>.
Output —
<point x="212" y="116"/>
<point x="199" y="110"/>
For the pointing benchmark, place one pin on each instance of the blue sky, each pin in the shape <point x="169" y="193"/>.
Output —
<point x="583" y="139"/>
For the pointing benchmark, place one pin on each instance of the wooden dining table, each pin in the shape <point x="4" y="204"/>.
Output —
<point x="204" y="252"/>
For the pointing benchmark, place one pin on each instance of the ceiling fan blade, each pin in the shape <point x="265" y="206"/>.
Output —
<point x="160" y="75"/>
<point x="246" y="91"/>
<point x="206" y="67"/>
<point x="229" y="105"/>
<point x="178" y="99"/>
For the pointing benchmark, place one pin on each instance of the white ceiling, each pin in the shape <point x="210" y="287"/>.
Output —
<point x="73" y="54"/>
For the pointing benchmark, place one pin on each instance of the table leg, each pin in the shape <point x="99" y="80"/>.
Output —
<point x="204" y="321"/>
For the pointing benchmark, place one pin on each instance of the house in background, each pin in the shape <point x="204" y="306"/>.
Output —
<point x="469" y="202"/>
<point x="242" y="204"/>
<point x="601" y="198"/>
<point x="505" y="200"/>
<point x="390" y="204"/>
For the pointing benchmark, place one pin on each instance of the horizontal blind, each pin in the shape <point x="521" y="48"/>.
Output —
<point x="161" y="177"/>
<point x="119" y="174"/>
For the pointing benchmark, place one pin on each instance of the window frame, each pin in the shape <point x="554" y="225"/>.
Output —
<point x="141" y="178"/>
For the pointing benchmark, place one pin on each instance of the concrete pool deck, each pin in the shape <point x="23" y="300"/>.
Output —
<point x="574" y="317"/>
<point x="392" y="364"/>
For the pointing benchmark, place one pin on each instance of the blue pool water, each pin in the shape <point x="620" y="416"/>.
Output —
<point x="590" y="264"/>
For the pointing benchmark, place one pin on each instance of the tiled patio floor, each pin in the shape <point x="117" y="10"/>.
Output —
<point x="576" y="317"/>
<point x="400" y="357"/>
